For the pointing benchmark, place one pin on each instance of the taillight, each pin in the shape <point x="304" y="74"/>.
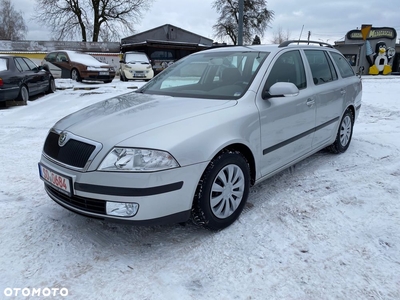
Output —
<point x="1" y="82"/>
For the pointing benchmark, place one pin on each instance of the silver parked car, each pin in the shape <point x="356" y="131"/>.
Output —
<point x="190" y="143"/>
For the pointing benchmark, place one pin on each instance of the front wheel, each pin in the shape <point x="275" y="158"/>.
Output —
<point x="344" y="134"/>
<point x="52" y="86"/>
<point x="75" y="75"/>
<point x="222" y="191"/>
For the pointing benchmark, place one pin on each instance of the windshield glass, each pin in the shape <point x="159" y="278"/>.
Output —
<point x="208" y="74"/>
<point x="136" y="57"/>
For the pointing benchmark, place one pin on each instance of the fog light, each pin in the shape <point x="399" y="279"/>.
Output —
<point x="121" y="209"/>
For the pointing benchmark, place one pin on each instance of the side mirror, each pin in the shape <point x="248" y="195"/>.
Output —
<point x="281" y="89"/>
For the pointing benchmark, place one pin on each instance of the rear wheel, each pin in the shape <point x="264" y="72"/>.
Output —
<point x="222" y="191"/>
<point x="75" y="75"/>
<point x="23" y="94"/>
<point x="344" y="134"/>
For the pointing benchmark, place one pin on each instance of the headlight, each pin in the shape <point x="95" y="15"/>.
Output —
<point x="137" y="160"/>
<point x="148" y="67"/>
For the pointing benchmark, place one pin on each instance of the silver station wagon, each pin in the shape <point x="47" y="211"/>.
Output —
<point x="190" y="143"/>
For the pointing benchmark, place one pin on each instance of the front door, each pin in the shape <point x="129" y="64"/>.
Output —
<point x="287" y="123"/>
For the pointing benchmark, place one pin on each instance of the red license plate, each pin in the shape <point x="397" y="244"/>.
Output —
<point x="60" y="182"/>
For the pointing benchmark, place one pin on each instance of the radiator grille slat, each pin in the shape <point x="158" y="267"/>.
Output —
<point x="74" y="153"/>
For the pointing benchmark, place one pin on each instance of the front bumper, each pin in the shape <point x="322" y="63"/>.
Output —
<point x="162" y="197"/>
<point x="133" y="75"/>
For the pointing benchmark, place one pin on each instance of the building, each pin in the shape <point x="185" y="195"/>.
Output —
<point x="372" y="50"/>
<point x="165" y="44"/>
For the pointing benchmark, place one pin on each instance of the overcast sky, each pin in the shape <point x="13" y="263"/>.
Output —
<point x="327" y="21"/>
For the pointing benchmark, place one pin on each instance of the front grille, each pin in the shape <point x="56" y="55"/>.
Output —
<point x="73" y="153"/>
<point x="86" y="204"/>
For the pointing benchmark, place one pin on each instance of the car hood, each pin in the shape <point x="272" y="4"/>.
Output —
<point x="116" y="119"/>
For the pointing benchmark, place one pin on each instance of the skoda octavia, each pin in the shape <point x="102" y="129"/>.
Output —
<point x="191" y="142"/>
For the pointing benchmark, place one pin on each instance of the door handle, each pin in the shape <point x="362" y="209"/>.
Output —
<point x="310" y="102"/>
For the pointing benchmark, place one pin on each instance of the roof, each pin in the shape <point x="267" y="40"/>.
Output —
<point x="167" y="34"/>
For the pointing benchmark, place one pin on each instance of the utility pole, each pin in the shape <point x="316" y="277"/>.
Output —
<point x="240" y="33"/>
<point x="308" y="38"/>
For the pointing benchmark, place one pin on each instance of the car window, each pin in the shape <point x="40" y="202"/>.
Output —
<point x="22" y="64"/>
<point x="136" y="57"/>
<point x="3" y="64"/>
<point x="343" y="65"/>
<point x="30" y="63"/>
<point x="321" y="66"/>
<point x="61" y="57"/>
<point x="51" y="57"/>
<point x="288" y="67"/>
<point x="216" y="75"/>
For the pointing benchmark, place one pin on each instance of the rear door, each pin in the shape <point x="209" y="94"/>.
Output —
<point x="328" y="96"/>
<point x="287" y="123"/>
<point x="31" y="78"/>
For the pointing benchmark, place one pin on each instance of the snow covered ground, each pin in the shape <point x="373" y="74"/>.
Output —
<point x="326" y="229"/>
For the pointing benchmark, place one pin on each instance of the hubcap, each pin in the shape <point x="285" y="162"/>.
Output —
<point x="74" y="74"/>
<point x="227" y="191"/>
<point x="345" y="131"/>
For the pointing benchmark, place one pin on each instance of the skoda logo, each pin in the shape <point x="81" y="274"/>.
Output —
<point x="62" y="139"/>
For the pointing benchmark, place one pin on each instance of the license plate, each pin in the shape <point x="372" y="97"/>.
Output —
<point x="104" y="73"/>
<point x="60" y="182"/>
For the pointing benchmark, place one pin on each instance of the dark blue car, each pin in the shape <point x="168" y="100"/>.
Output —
<point x="21" y="78"/>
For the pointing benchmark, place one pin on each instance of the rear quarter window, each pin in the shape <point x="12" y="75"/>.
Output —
<point x="343" y="65"/>
<point x="3" y="64"/>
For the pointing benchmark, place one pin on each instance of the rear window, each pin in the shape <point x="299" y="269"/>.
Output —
<point x="3" y="64"/>
<point x="343" y="65"/>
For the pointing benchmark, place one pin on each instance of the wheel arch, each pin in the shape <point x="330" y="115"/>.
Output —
<point x="248" y="155"/>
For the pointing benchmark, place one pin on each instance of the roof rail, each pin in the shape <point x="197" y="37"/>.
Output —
<point x="287" y="43"/>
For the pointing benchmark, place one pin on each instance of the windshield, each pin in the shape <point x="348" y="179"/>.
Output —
<point x="208" y="74"/>
<point x="136" y="57"/>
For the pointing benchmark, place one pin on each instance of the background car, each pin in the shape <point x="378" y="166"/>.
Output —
<point x="21" y="78"/>
<point x="77" y="66"/>
<point x="135" y="65"/>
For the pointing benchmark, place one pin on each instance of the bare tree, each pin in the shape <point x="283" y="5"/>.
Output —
<point x="12" y="24"/>
<point x="280" y="36"/>
<point x="90" y="19"/>
<point x="256" y="18"/>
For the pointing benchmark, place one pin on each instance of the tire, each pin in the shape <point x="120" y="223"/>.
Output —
<point x="344" y="134"/>
<point x="222" y="191"/>
<point x="52" y="86"/>
<point x="23" y="93"/>
<point x="75" y="75"/>
<point x="122" y="76"/>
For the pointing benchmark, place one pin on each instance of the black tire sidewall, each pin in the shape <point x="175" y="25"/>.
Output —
<point x="339" y="145"/>
<point x="224" y="159"/>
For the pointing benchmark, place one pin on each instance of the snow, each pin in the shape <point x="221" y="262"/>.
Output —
<point x="327" y="228"/>
<point x="85" y="59"/>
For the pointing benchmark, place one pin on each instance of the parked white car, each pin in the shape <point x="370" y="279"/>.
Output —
<point x="190" y="143"/>
<point x="135" y="65"/>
